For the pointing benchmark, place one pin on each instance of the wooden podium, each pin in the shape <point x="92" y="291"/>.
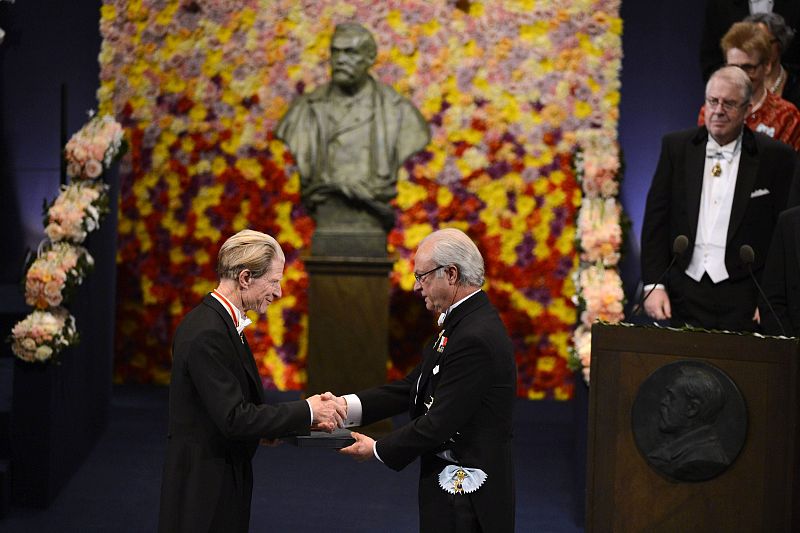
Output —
<point x="759" y="491"/>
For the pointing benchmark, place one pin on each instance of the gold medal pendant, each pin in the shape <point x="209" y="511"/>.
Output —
<point x="716" y="170"/>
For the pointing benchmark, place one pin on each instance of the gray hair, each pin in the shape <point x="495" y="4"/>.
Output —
<point x="453" y="247"/>
<point x="737" y="77"/>
<point x="247" y="250"/>
<point x="777" y="27"/>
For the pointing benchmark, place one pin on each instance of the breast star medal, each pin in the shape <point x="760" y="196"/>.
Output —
<point x="716" y="170"/>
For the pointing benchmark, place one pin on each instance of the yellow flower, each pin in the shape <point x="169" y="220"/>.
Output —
<point x="147" y="291"/>
<point x="409" y="193"/>
<point x="240" y="221"/>
<point x="203" y="286"/>
<point x="202" y="257"/>
<point x="274" y="364"/>
<point x="275" y="317"/>
<point x="394" y="19"/>
<point x="251" y="170"/>
<point x="443" y="197"/>
<point x="403" y="267"/>
<point x="415" y="233"/>
<point x="476" y="9"/>
<point x="532" y="33"/>
<point x="218" y="165"/>
<point x="431" y="27"/>
<point x="560" y="308"/>
<point x="287" y="234"/>
<point x="582" y="109"/>
<point x="108" y="12"/>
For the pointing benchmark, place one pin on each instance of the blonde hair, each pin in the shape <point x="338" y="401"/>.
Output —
<point x="247" y="250"/>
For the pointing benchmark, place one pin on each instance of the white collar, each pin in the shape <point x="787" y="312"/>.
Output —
<point x="731" y="147"/>
<point x="240" y="320"/>
<point x="442" y="316"/>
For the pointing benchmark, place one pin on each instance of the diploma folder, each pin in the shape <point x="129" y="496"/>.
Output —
<point x="340" y="438"/>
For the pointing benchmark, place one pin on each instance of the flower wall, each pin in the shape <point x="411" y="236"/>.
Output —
<point x="512" y="91"/>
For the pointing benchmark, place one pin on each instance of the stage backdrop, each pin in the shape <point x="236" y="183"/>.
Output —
<point x="512" y="90"/>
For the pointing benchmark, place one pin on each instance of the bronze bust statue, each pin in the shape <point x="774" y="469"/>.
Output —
<point x="349" y="137"/>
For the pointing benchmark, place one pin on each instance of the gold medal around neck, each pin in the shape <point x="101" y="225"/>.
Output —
<point x="716" y="170"/>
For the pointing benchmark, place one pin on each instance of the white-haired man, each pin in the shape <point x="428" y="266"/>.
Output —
<point x="460" y="396"/>
<point x="217" y="413"/>
<point x="721" y="186"/>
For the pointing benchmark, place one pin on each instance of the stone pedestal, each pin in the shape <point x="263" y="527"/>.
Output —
<point x="346" y="227"/>
<point x="348" y="324"/>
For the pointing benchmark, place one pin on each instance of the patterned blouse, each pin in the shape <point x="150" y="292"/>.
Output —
<point x="776" y="117"/>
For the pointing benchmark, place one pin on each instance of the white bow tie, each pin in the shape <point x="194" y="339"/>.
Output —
<point x="243" y="323"/>
<point x="715" y="151"/>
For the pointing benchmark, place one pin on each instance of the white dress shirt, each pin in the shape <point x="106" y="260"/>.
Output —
<point x="760" y="6"/>
<point x="716" y="201"/>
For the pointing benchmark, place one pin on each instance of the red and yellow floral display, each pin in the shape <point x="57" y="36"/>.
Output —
<point x="510" y="89"/>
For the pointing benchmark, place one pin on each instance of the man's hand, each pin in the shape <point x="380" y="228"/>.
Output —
<point x="657" y="305"/>
<point x="361" y="449"/>
<point x="328" y="412"/>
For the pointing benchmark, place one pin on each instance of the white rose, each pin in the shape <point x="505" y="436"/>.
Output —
<point x="43" y="353"/>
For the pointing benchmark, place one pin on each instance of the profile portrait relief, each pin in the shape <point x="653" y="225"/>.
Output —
<point x="349" y="138"/>
<point x="697" y="421"/>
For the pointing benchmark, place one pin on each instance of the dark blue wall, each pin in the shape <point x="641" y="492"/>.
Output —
<point x="48" y="44"/>
<point x="49" y="77"/>
<point x="662" y="91"/>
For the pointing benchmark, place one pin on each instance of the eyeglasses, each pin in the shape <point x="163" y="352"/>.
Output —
<point x="727" y="105"/>
<point x="749" y="68"/>
<point x="419" y="277"/>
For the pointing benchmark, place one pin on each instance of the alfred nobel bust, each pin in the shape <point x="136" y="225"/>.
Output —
<point x="349" y="137"/>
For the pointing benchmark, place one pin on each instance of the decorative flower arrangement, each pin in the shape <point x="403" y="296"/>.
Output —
<point x="511" y="89"/>
<point x="600" y="231"/>
<point x="93" y="148"/>
<point x="599" y="292"/>
<point x="43" y="334"/>
<point x="76" y="212"/>
<point x="55" y="273"/>
<point x="61" y="264"/>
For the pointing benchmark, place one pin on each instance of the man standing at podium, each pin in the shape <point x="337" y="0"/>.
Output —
<point x="720" y="186"/>
<point x="460" y="396"/>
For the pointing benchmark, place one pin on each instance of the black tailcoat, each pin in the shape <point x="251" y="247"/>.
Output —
<point x="460" y="399"/>
<point x="216" y="419"/>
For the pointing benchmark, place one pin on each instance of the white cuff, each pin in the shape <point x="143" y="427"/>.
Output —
<point x="311" y="410"/>
<point x="375" y="451"/>
<point x="649" y="286"/>
<point x="354" y="410"/>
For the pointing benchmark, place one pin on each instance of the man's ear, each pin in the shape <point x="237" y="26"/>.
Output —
<point x="692" y="407"/>
<point x="452" y="274"/>
<point x="244" y="278"/>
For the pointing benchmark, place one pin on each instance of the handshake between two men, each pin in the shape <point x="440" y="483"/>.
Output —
<point x="330" y="413"/>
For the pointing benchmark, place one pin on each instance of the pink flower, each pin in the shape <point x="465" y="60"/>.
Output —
<point x="93" y="168"/>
